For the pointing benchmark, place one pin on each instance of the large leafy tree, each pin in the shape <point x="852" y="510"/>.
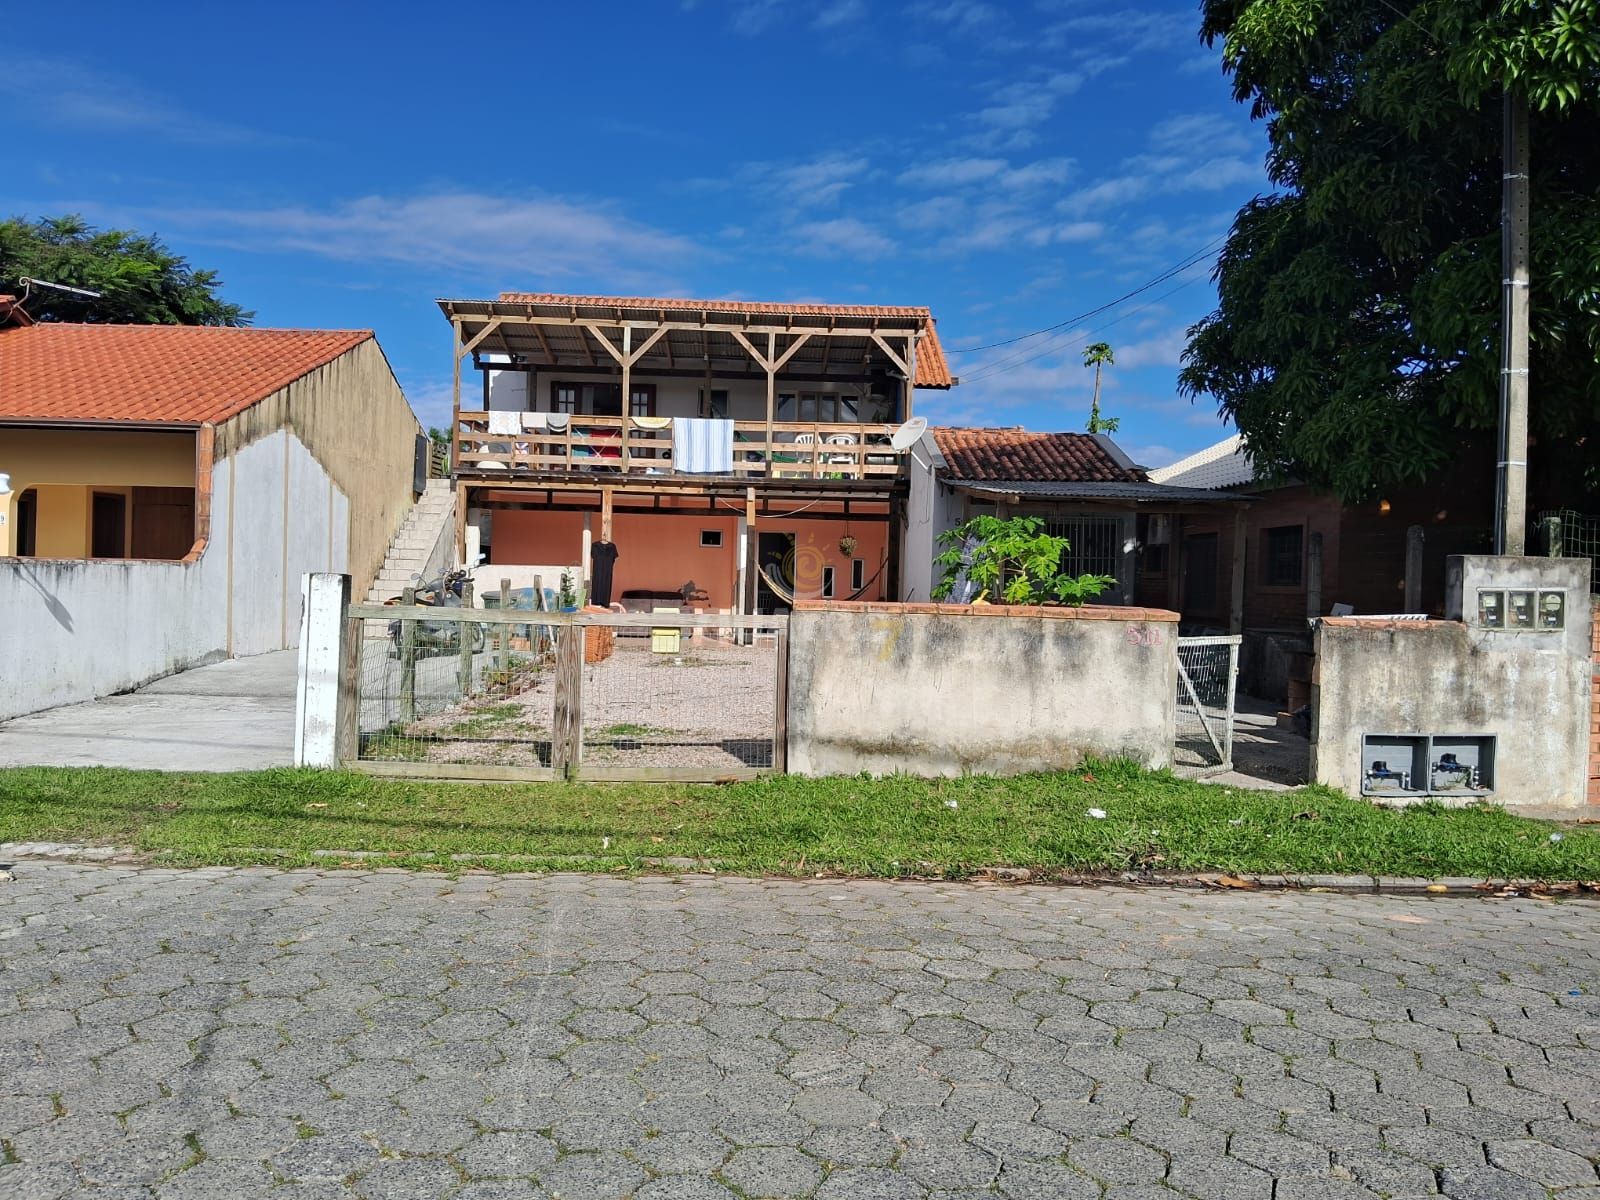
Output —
<point x="1356" y="341"/>
<point x="140" y="280"/>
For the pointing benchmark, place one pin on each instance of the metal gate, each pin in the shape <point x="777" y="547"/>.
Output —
<point x="1208" y="674"/>
<point x="470" y="693"/>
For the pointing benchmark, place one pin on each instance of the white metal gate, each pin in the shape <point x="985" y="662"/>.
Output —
<point x="1208" y="674"/>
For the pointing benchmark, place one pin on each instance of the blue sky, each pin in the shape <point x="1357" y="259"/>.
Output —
<point x="1008" y="165"/>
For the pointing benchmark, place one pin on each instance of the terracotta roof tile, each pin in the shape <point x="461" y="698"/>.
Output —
<point x="933" y="371"/>
<point x="179" y="374"/>
<point x="1018" y="454"/>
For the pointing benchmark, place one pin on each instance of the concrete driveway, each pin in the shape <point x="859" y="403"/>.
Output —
<point x="236" y="715"/>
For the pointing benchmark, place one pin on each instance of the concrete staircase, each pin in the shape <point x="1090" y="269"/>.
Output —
<point x="410" y="552"/>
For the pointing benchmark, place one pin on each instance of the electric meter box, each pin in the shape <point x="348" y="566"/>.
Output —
<point x="1414" y="765"/>
<point x="1524" y="596"/>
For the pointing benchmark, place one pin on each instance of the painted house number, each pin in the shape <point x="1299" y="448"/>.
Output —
<point x="1143" y="635"/>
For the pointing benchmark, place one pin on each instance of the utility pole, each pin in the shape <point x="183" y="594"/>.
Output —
<point x="1511" y="509"/>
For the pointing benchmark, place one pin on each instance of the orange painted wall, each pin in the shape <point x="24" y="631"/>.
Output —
<point x="660" y="553"/>
<point x="536" y="538"/>
<point x="817" y="545"/>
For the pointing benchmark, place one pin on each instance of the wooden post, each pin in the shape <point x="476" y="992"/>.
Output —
<point x="911" y="378"/>
<point x="504" y="633"/>
<point x="348" y="738"/>
<point x="461" y="527"/>
<point x="772" y="393"/>
<point x="408" y="659"/>
<point x="1314" y="577"/>
<point x="891" y="588"/>
<point x="540" y="632"/>
<point x="752" y="562"/>
<point x="1414" y="540"/>
<point x="627" y="401"/>
<point x="780" y="726"/>
<point x="1236" y="594"/>
<point x="566" y="735"/>
<point x="605" y="514"/>
<point x="464" y="644"/>
<point x="455" y="398"/>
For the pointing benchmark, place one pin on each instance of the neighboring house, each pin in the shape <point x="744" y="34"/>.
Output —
<point x="701" y="440"/>
<point x="1083" y="487"/>
<point x="1303" y="552"/>
<point x="169" y="485"/>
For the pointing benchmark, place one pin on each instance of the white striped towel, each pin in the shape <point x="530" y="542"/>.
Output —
<point x="703" y="446"/>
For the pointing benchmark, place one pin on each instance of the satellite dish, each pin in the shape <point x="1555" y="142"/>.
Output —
<point x="909" y="434"/>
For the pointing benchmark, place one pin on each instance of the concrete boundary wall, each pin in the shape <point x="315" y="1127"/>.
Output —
<point x="946" y="689"/>
<point x="1533" y="692"/>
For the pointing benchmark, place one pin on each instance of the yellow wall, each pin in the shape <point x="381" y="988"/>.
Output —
<point x="62" y="465"/>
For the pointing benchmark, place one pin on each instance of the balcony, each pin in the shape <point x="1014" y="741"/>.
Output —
<point x="595" y="445"/>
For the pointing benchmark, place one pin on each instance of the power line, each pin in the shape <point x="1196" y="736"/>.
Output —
<point x="1187" y="262"/>
<point x="1056" y="346"/>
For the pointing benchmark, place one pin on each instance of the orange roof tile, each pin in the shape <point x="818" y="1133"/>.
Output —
<point x="932" y="369"/>
<point x="1019" y="454"/>
<point x="174" y="374"/>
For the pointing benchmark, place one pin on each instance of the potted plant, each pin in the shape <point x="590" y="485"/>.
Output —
<point x="847" y="546"/>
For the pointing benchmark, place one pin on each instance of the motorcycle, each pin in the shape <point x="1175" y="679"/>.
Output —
<point x="438" y="637"/>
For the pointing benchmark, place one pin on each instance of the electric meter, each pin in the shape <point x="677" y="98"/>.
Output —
<point x="1491" y="610"/>
<point x="1552" y="610"/>
<point x="1519" y="610"/>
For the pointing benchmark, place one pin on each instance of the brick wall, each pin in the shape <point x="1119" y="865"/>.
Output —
<point x="1594" y="713"/>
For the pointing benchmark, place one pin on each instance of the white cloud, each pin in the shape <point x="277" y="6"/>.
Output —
<point x="843" y="237"/>
<point x="1163" y="350"/>
<point x="1198" y="152"/>
<point x="952" y="172"/>
<point x="515" y="240"/>
<point x="753" y="17"/>
<point x="936" y="212"/>
<point x="1152" y="455"/>
<point x="71" y="94"/>
<point x="960" y="15"/>
<point x="807" y="184"/>
<point x="1039" y="173"/>
<point x="840" y="12"/>
<point x="1080" y="231"/>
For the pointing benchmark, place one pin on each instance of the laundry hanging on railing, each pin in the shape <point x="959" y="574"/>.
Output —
<point x="504" y="421"/>
<point x="703" y="446"/>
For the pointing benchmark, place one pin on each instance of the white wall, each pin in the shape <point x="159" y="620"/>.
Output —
<point x="931" y="508"/>
<point x="74" y="630"/>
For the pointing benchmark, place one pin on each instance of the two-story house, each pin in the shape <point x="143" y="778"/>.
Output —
<point x="672" y="448"/>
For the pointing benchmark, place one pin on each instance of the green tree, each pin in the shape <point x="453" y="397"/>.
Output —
<point x="140" y="281"/>
<point x="1356" y="340"/>
<point x="1097" y="356"/>
<point x="1014" y="559"/>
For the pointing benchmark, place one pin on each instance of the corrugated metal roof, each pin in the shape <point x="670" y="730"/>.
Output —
<point x="1220" y="466"/>
<point x="1136" y="491"/>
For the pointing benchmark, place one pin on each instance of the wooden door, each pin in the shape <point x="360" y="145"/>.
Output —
<point x="108" y="525"/>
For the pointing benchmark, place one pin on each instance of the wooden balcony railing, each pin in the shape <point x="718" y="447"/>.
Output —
<point x="595" y="445"/>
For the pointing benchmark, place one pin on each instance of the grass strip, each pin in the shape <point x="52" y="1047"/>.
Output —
<point x="892" y="827"/>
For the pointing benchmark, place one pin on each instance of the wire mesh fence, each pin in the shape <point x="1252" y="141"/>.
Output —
<point x="1570" y="534"/>
<point x="1208" y="671"/>
<point x="454" y="691"/>
<point x="596" y="696"/>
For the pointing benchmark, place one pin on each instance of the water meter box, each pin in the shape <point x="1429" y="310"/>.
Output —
<point x="1394" y="764"/>
<point x="1424" y="764"/>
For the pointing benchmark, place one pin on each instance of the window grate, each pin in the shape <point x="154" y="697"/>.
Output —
<point x="1093" y="546"/>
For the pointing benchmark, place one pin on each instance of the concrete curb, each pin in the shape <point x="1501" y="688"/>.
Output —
<point x="1459" y="886"/>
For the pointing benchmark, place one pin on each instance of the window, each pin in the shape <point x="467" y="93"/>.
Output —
<point x="827" y="583"/>
<point x="600" y="399"/>
<point x="1155" y="560"/>
<point x="858" y="574"/>
<point x="1093" y="547"/>
<point x="827" y="408"/>
<point x="711" y="537"/>
<point x="1282" y="553"/>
